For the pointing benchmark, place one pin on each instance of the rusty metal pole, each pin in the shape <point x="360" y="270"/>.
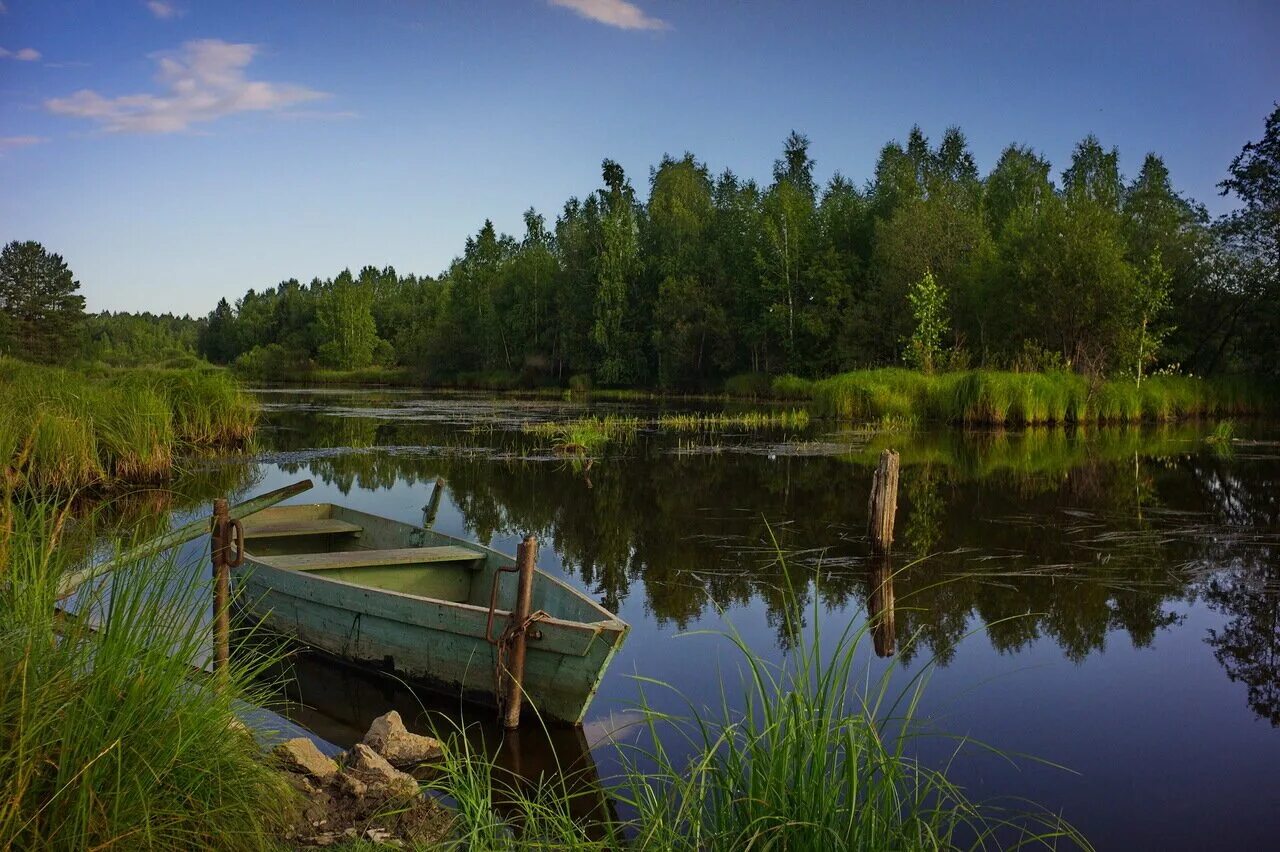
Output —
<point x="220" y="542"/>
<point x="526" y="558"/>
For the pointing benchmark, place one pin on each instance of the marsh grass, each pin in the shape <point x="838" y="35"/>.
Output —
<point x="107" y="739"/>
<point x="63" y="430"/>
<point x="816" y="753"/>
<point x="585" y="435"/>
<point x="796" y="418"/>
<point x="995" y="398"/>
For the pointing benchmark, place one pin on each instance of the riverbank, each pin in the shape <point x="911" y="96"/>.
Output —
<point x="65" y="430"/>
<point x="900" y="396"/>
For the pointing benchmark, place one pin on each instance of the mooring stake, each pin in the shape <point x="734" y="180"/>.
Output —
<point x="526" y="559"/>
<point x="226" y="547"/>
<point x="883" y="504"/>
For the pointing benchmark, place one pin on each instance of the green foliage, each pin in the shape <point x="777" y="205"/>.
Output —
<point x="929" y="309"/>
<point x="107" y="740"/>
<point x="65" y="431"/>
<point x="714" y="276"/>
<point x="749" y="385"/>
<point x="991" y="397"/>
<point x="344" y="313"/>
<point x="41" y="312"/>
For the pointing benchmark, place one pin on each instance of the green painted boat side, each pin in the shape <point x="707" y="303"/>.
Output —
<point x="426" y="620"/>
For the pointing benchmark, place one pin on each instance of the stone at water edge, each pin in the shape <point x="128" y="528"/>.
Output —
<point x="390" y="738"/>
<point x="365" y="764"/>
<point x="300" y="755"/>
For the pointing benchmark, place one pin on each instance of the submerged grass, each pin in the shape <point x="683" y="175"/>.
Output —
<point x="62" y="430"/>
<point x="816" y="755"/>
<point x="995" y="398"/>
<point x="106" y="740"/>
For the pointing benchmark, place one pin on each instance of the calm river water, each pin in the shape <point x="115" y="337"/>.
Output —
<point x="1105" y="601"/>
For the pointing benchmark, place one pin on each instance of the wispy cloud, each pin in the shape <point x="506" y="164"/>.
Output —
<point x="163" y="10"/>
<point x="203" y="82"/>
<point x="27" y="54"/>
<point x="613" y="13"/>
<point x="9" y="143"/>
<point x="4" y="10"/>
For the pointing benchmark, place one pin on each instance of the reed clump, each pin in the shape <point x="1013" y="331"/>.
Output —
<point x="63" y="430"/>
<point x="796" y="418"/>
<point x="999" y="398"/>
<point x="106" y="738"/>
<point x="585" y="435"/>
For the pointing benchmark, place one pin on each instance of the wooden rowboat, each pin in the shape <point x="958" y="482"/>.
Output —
<point x="377" y="591"/>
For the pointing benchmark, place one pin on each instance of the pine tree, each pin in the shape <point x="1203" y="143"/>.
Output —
<point x="42" y="312"/>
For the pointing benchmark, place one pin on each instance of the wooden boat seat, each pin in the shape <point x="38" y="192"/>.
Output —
<point x="314" y="526"/>
<point x="373" y="558"/>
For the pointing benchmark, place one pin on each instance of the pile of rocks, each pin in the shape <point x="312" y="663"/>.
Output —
<point x="364" y="793"/>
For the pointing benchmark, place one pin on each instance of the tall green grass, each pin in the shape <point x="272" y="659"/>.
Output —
<point x="996" y="398"/>
<point x="62" y="430"/>
<point x="816" y="754"/>
<point x="106" y="740"/>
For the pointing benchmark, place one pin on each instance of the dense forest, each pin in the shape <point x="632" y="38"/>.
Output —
<point x="927" y="262"/>
<point x="714" y="275"/>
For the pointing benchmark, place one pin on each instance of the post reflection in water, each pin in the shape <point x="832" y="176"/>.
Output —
<point x="880" y="608"/>
<point x="1078" y="564"/>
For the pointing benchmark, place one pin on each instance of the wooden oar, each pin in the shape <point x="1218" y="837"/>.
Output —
<point x="182" y="535"/>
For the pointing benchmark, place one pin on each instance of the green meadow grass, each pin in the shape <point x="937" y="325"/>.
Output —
<point x="63" y="430"/>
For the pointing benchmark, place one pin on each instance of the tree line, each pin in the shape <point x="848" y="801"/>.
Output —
<point x="927" y="262"/>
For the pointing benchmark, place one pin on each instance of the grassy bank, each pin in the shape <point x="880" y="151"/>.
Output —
<point x="986" y="397"/>
<point x="64" y="430"/>
<point x="106" y="742"/>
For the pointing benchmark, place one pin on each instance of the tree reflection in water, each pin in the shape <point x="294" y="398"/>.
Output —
<point x="1067" y="535"/>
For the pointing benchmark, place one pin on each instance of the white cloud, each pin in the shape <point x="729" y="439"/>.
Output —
<point x="4" y="10"/>
<point x="163" y="10"/>
<point x="8" y="143"/>
<point x="613" y="13"/>
<point x="27" y="54"/>
<point x="203" y="82"/>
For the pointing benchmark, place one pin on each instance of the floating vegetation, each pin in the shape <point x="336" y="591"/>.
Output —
<point x="585" y="435"/>
<point x="1222" y="438"/>
<point x="796" y="418"/>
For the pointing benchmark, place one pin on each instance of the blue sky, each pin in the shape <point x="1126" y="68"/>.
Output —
<point x="178" y="151"/>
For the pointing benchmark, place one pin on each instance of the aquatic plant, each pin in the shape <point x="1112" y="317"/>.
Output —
<point x="796" y="418"/>
<point x="584" y="435"/>
<point x="106" y="738"/>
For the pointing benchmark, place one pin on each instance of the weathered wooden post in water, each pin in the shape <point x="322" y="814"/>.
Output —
<point x="526" y="560"/>
<point x="883" y="504"/>
<point x="882" y="507"/>
<point x="226" y="547"/>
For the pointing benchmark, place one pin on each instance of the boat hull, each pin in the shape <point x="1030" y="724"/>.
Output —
<point x="437" y="643"/>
